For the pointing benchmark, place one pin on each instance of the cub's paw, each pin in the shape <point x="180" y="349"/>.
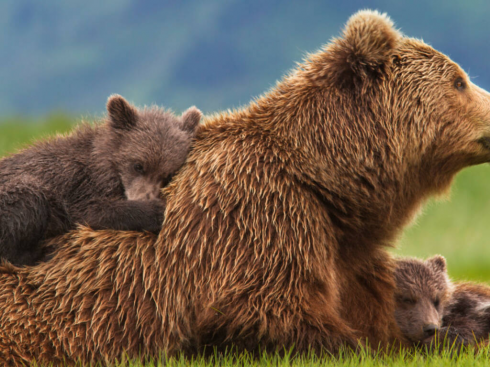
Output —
<point x="155" y="214"/>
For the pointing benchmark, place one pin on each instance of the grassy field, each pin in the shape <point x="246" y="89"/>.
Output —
<point x="457" y="227"/>
<point x="16" y="133"/>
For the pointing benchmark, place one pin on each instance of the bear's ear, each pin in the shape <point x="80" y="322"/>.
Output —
<point x="364" y="49"/>
<point x="122" y="115"/>
<point x="437" y="263"/>
<point x="190" y="119"/>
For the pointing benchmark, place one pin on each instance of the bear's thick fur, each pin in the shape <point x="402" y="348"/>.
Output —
<point x="107" y="175"/>
<point x="276" y="228"/>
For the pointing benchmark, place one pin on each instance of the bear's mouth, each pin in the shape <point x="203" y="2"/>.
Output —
<point x="485" y="142"/>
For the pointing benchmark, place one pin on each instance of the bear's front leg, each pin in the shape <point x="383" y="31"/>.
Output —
<point x="240" y="327"/>
<point x="302" y="316"/>
<point x="125" y="215"/>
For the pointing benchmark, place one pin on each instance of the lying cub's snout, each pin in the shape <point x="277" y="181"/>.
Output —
<point x="430" y="330"/>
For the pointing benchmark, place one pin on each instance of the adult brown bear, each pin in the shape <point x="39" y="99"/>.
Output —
<point x="276" y="228"/>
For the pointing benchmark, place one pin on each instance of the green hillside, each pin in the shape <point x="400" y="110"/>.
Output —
<point x="16" y="133"/>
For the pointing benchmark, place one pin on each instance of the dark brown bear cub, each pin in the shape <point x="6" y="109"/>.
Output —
<point x="429" y="306"/>
<point x="423" y="290"/>
<point x="104" y="176"/>
<point x="467" y="316"/>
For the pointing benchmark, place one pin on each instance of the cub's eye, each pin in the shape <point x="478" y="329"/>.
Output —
<point x="138" y="167"/>
<point x="406" y="300"/>
<point x="459" y="84"/>
<point x="436" y="303"/>
<point x="167" y="180"/>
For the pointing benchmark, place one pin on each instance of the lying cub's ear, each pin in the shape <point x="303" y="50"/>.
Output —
<point x="438" y="263"/>
<point x="121" y="114"/>
<point x="190" y="119"/>
<point x="364" y="49"/>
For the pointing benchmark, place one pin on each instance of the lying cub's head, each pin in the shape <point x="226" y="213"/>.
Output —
<point x="423" y="290"/>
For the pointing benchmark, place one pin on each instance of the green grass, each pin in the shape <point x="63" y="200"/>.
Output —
<point x="457" y="227"/>
<point x="18" y="132"/>
<point x="466" y="356"/>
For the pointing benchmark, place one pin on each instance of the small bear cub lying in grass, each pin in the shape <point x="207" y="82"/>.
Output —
<point x="429" y="305"/>
<point x="106" y="176"/>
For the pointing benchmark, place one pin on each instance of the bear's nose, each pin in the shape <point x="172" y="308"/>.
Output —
<point x="429" y="330"/>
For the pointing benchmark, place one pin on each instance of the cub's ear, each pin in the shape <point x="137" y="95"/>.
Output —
<point x="122" y="115"/>
<point x="438" y="263"/>
<point x="364" y="49"/>
<point x="190" y="119"/>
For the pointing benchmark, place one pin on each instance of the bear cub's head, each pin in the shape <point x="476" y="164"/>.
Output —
<point x="423" y="290"/>
<point x="147" y="146"/>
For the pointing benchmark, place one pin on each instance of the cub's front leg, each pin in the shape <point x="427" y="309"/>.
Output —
<point x="125" y="215"/>
<point x="24" y="218"/>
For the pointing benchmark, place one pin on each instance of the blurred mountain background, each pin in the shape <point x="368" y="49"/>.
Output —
<point x="71" y="55"/>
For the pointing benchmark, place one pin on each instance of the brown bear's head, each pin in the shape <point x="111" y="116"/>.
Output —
<point x="422" y="292"/>
<point x="147" y="146"/>
<point x="393" y="99"/>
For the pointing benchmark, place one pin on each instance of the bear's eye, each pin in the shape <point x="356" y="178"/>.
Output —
<point x="138" y="167"/>
<point x="459" y="84"/>
<point x="436" y="302"/>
